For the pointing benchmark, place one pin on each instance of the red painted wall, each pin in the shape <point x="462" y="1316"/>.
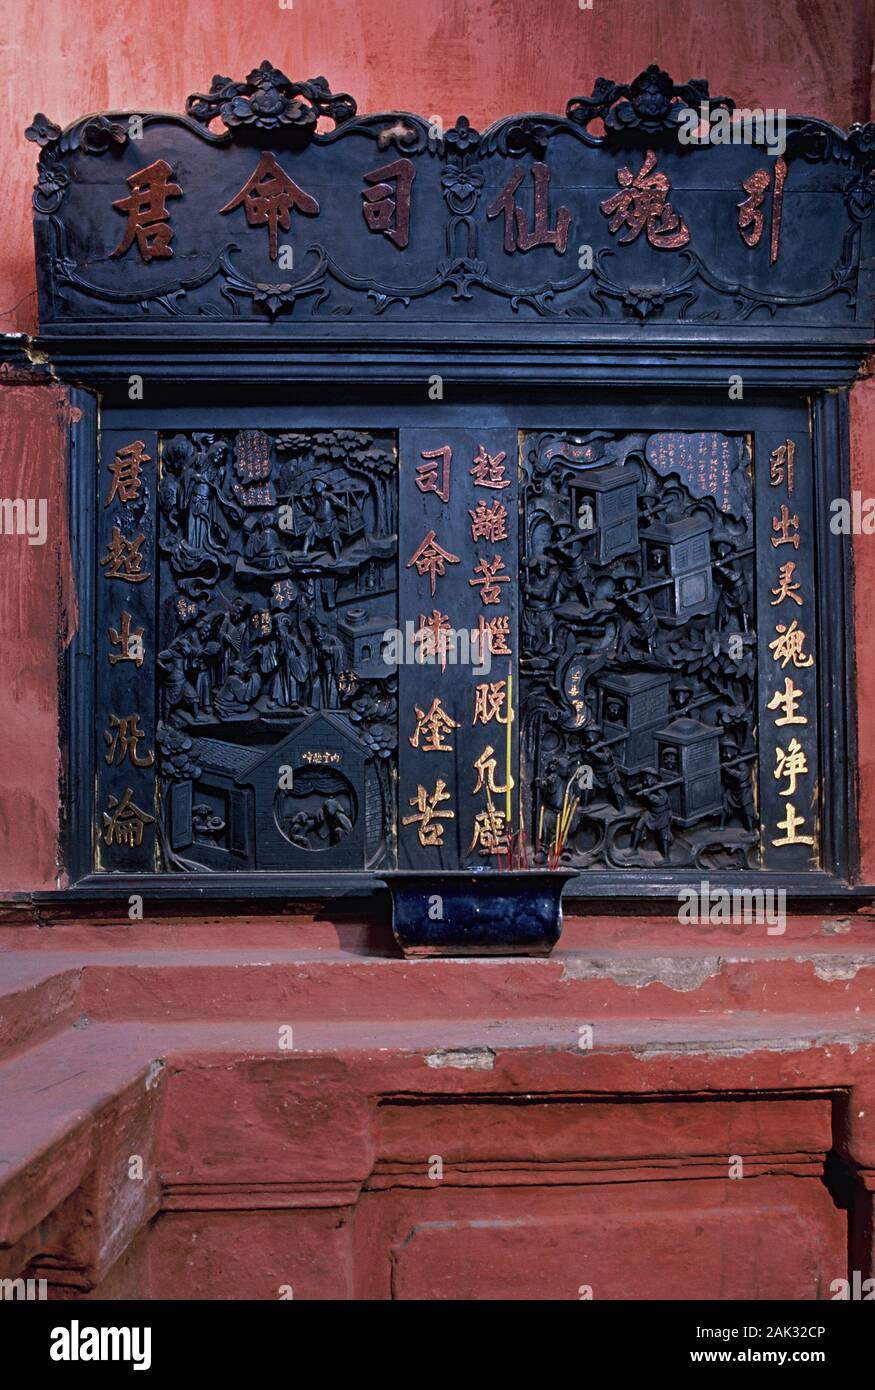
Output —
<point x="482" y="57"/>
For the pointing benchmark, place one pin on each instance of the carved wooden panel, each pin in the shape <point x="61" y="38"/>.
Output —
<point x="668" y="698"/>
<point x="275" y="717"/>
<point x="349" y="650"/>
<point x="273" y="200"/>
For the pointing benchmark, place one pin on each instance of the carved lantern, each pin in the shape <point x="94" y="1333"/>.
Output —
<point x="689" y="751"/>
<point x="606" y="506"/>
<point x="633" y="706"/>
<point x="677" y="559"/>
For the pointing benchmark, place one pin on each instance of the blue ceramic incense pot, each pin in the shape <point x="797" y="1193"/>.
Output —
<point x="464" y="913"/>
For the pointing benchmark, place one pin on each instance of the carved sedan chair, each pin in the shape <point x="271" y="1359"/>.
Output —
<point x="574" y="388"/>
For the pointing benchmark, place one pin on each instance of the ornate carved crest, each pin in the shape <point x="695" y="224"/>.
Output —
<point x="268" y="108"/>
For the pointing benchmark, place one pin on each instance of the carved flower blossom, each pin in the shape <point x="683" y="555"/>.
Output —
<point x="461" y="187"/>
<point x="268" y="106"/>
<point x="41" y="130"/>
<point x="651" y="94"/>
<point x="274" y="297"/>
<point x="527" y="135"/>
<point x="861" y="139"/>
<point x="52" y="181"/>
<point x="643" y="299"/>
<point x="99" y="133"/>
<point x="860" y="197"/>
<point x="462" y="137"/>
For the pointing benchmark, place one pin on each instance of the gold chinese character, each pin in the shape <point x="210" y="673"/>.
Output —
<point x="131" y="643"/>
<point x="122" y="736"/>
<point x="784" y="457"/>
<point x="786" y="589"/>
<point x="783" y="524"/>
<point x="517" y="236"/>
<point x="492" y="635"/>
<point x="787" y="646"/>
<point x="751" y="220"/>
<point x="643" y="202"/>
<point x="488" y="470"/>
<point x="125" y="470"/>
<point x="431" y="559"/>
<point x="787" y="701"/>
<point x="489" y="523"/>
<point x="385" y="209"/>
<point x="490" y="832"/>
<point x="489" y="570"/>
<point x="484" y="766"/>
<point x="489" y="698"/>
<point x="124" y="558"/>
<point x="790" y="765"/>
<point x="435" y="636"/>
<point x="146" y="207"/>
<point x="433" y="727"/>
<point x="268" y="197"/>
<point x="791" y="825"/>
<point x="437" y="464"/>
<point x="428" y="818"/>
<point x="123" y="822"/>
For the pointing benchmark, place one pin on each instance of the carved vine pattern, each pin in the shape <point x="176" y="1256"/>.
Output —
<point x="277" y="582"/>
<point x="638" y="651"/>
<point x="267" y="107"/>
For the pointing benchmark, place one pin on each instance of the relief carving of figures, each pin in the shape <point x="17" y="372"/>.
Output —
<point x="638" y="650"/>
<point x="278" y="583"/>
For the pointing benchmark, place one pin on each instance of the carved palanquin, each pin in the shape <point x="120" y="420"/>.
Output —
<point x="457" y="499"/>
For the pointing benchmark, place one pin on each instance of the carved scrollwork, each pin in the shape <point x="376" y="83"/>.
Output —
<point x="94" y="135"/>
<point x="638" y="649"/>
<point x="278" y="711"/>
<point x="335" y="276"/>
<point x="646" y="108"/>
<point x="267" y="107"/>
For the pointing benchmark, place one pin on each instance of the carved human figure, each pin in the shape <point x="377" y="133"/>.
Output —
<point x="538" y="615"/>
<point x="681" y="695"/>
<point x="206" y="825"/>
<point x="551" y="797"/>
<point x="738" y="798"/>
<point x="204" y="653"/>
<point x="215" y="459"/>
<point x="604" y="771"/>
<point x="262" y="547"/>
<point x="575" y="575"/>
<point x="641" y="625"/>
<point x="235" y="636"/>
<point x="656" y="819"/>
<point x="332" y="821"/>
<point x="733" y="598"/>
<point x="173" y="663"/>
<point x="330" y="660"/>
<point x="670" y="761"/>
<point x="177" y="451"/>
<point x="292" y="667"/>
<point x="299" y="827"/>
<point x="324" y="509"/>
<point x="204" y="507"/>
<point x="239" y="692"/>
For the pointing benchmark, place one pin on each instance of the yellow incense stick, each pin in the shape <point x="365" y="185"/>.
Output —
<point x="509" y="726"/>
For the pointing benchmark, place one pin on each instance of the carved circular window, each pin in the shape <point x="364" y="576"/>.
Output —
<point x="318" y="810"/>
